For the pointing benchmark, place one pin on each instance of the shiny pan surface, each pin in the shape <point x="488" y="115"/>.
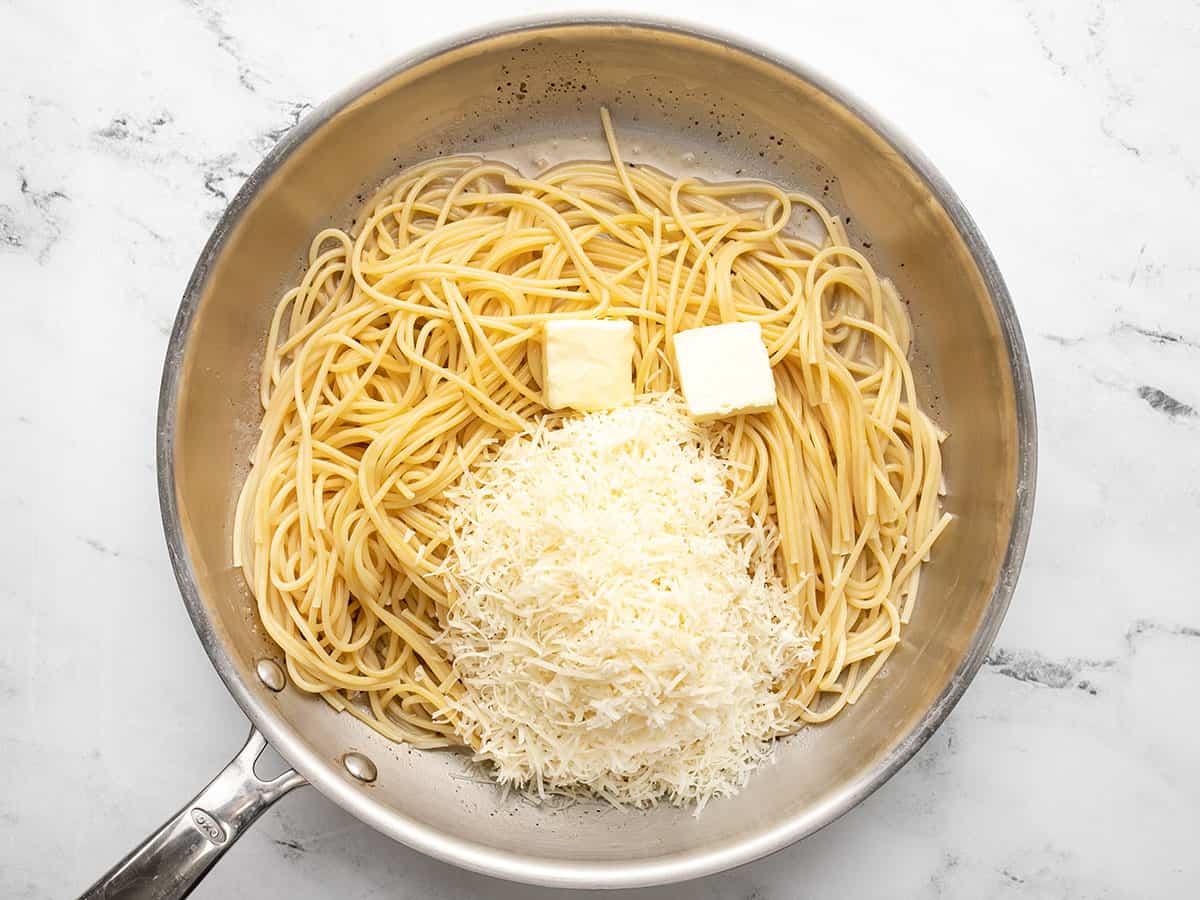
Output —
<point x="690" y="102"/>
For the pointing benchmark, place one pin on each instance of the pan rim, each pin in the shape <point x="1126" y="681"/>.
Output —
<point x="531" y="869"/>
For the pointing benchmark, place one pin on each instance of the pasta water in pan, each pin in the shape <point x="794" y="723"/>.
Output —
<point x="607" y="475"/>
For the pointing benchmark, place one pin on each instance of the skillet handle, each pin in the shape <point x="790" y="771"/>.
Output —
<point x="171" y="862"/>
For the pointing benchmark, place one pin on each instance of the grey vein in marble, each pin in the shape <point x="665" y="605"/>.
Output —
<point x="1158" y="336"/>
<point x="34" y="219"/>
<point x="1032" y="667"/>
<point x="214" y="21"/>
<point x="1164" y="402"/>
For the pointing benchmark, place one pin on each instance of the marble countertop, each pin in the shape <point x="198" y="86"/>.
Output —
<point x="1070" y="767"/>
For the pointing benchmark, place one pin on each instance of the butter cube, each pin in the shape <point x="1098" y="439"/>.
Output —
<point x="589" y="363"/>
<point x="724" y="370"/>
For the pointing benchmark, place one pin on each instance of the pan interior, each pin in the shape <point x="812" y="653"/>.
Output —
<point x="687" y="104"/>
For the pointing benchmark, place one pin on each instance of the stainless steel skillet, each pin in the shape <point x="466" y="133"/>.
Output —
<point x="687" y="101"/>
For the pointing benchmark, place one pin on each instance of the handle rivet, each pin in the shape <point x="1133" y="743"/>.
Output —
<point x="360" y="767"/>
<point x="270" y="674"/>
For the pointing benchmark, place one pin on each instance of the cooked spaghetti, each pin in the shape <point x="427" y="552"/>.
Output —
<point x="411" y="348"/>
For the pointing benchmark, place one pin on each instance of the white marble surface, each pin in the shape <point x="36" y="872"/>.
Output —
<point x="1072" y="132"/>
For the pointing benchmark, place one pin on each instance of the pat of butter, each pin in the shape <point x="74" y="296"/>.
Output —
<point x="589" y="363"/>
<point x="724" y="370"/>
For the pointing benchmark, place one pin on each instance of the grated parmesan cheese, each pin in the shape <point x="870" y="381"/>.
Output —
<point x="619" y="627"/>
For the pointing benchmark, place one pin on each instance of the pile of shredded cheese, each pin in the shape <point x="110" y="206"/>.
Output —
<point x="619" y="627"/>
